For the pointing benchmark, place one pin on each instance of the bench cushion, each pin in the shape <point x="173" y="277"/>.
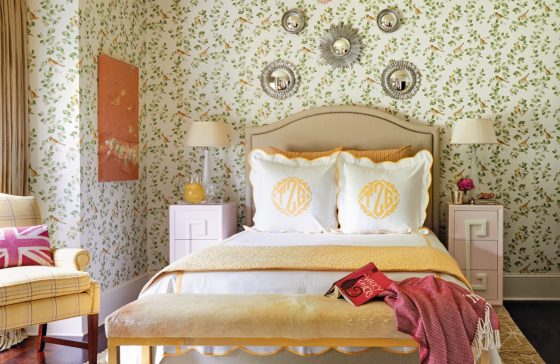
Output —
<point x="21" y="284"/>
<point x="250" y="316"/>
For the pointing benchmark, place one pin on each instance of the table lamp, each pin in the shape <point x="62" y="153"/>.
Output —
<point x="474" y="132"/>
<point x="207" y="134"/>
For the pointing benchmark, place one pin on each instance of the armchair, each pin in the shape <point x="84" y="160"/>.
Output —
<point x="36" y="295"/>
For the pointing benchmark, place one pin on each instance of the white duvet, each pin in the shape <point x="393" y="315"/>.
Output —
<point x="280" y="282"/>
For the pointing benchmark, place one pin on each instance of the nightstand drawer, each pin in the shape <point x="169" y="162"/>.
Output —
<point x="484" y="254"/>
<point x="475" y="219"/>
<point x="202" y="225"/>
<point x="485" y="283"/>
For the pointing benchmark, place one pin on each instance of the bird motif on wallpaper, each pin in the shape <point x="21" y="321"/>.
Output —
<point x="32" y="93"/>
<point x="523" y="79"/>
<point x="417" y="10"/>
<point x="547" y="8"/>
<point x="436" y="111"/>
<point x="244" y="20"/>
<point x="547" y="135"/>
<point x="523" y="16"/>
<point x="54" y="62"/>
<point x="266" y="20"/>
<point x="525" y="269"/>
<point x="482" y="103"/>
<point x="371" y="80"/>
<point x="34" y="173"/>
<point x="502" y="142"/>
<point x="458" y="49"/>
<point x="482" y="166"/>
<point x="181" y="52"/>
<point x="525" y="206"/>
<point x="435" y="48"/>
<point x="524" y="142"/>
<point x="55" y="141"/>
<point x="31" y="15"/>
<point x="226" y="45"/>
<point x="58" y="220"/>
<point x="547" y="71"/>
<point x="500" y="79"/>
<point x="499" y="15"/>
<point x="308" y="50"/>
<point x="198" y="20"/>
<point x="482" y="40"/>
<point x="227" y="107"/>
<point x="163" y="15"/>
<point x="181" y="114"/>
<point x="548" y="198"/>
<point x="244" y="83"/>
<point x="204" y="53"/>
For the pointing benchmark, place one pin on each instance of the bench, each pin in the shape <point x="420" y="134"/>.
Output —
<point x="249" y="320"/>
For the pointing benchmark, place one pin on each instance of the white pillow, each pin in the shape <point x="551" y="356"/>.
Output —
<point x="383" y="197"/>
<point x="293" y="195"/>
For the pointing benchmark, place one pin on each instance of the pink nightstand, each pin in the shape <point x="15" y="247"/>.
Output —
<point x="475" y="239"/>
<point x="193" y="227"/>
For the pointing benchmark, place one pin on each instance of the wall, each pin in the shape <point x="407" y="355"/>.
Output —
<point x="477" y="58"/>
<point x="53" y="116"/>
<point x="107" y="219"/>
<point x="113" y="213"/>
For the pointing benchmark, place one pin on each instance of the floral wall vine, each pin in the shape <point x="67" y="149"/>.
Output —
<point x="107" y="219"/>
<point x="477" y="58"/>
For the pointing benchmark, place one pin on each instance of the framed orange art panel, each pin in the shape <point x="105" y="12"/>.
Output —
<point x="117" y="120"/>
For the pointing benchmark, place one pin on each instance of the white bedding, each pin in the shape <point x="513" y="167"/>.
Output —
<point x="281" y="282"/>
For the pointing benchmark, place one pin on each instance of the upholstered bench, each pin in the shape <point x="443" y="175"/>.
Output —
<point x="244" y="320"/>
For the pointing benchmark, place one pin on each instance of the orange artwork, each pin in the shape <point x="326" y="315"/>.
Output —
<point x="118" y="120"/>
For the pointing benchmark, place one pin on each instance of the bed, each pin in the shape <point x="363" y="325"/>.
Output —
<point x="312" y="130"/>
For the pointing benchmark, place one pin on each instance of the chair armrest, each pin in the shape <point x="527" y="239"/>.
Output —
<point x="72" y="258"/>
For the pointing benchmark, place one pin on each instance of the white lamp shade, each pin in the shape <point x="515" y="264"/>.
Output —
<point x="207" y="134"/>
<point x="473" y="131"/>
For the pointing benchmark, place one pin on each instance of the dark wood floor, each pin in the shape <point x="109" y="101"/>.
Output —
<point x="25" y="353"/>
<point x="539" y="321"/>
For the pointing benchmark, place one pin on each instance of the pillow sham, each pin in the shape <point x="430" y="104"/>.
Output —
<point x="21" y="246"/>
<point x="293" y="194"/>
<point x="383" y="155"/>
<point x="388" y="197"/>
<point x="306" y="155"/>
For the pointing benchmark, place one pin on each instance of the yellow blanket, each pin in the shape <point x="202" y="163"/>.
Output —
<point x="316" y="258"/>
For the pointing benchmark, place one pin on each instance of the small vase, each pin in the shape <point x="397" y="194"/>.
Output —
<point x="457" y="197"/>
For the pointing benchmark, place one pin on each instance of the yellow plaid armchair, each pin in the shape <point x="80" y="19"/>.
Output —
<point x="36" y="295"/>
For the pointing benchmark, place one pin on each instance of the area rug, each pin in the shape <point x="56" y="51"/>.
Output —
<point x="516" y="349"/>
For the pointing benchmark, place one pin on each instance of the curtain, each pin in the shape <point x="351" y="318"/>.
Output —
<point x="13" y="97"/>
<point x="13" y="114"/>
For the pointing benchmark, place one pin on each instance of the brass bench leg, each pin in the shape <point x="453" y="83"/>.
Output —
<point x="146" y="356"/>
<point x="114" y="352"/>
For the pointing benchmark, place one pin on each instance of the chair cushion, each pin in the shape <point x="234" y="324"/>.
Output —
<point x="19" y="211"/>
<point x="50" y="309"/>
<point x="21" y="284"/>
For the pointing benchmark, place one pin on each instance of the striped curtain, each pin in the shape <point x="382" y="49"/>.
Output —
<point x="13" y="97"/>
<point x="13" y="114"/>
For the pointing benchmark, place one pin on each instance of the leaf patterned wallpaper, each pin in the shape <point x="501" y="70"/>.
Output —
<point x="201" y="60"/>
<point x="499" y="59"/>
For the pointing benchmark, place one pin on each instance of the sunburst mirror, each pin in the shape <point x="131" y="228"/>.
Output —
<point x="341" y="46"/>
<point x="400" y="79"/>
<point x="280" y="79"/>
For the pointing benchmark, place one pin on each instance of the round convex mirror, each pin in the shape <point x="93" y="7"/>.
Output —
<point x="293" y="21"/>
<point x="400" y="79"/>
<point x="388" y="20"/>
<point x="341" y="47"/>
<point x="280" y="79"/>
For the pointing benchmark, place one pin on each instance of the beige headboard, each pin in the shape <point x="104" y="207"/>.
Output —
<point x="356" y="127"/>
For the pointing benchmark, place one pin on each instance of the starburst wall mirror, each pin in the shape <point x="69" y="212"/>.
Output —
<point x="341" y="46"/>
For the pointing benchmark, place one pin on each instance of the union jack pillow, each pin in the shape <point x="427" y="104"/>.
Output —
<point x="25" y="246"/>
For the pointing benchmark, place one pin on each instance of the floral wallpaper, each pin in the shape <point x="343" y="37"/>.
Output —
<point x="113" y="214"/>
<point x="107" y="219"/>
<point x="497" y="59"/>
<point x="201" y="60"/>
<point x="53" y="33"/>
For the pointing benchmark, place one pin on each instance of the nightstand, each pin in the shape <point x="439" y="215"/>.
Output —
<point x="475" y="239"/>
<point x="193" y="227"/>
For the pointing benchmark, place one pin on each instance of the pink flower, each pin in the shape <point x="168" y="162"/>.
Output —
<point x="465" y="184"/>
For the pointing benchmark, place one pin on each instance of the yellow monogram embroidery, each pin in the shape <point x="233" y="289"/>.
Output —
<point x="291" y="196"/>
<point x="379" y="199"/>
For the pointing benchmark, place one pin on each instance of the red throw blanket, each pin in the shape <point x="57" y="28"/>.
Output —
<point x="450" y="324"/>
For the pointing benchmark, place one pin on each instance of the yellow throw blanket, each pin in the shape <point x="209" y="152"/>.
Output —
<point x="315" y="258"/>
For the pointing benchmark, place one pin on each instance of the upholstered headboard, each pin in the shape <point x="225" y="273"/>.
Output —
<point x="356" y="127"/>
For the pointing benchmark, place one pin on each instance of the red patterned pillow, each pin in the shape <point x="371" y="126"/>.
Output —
<point x="25" y="246"/>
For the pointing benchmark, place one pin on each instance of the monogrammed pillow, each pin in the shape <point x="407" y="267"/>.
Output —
<point x="383" y="197"/>
<point x="293" y="194"/>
